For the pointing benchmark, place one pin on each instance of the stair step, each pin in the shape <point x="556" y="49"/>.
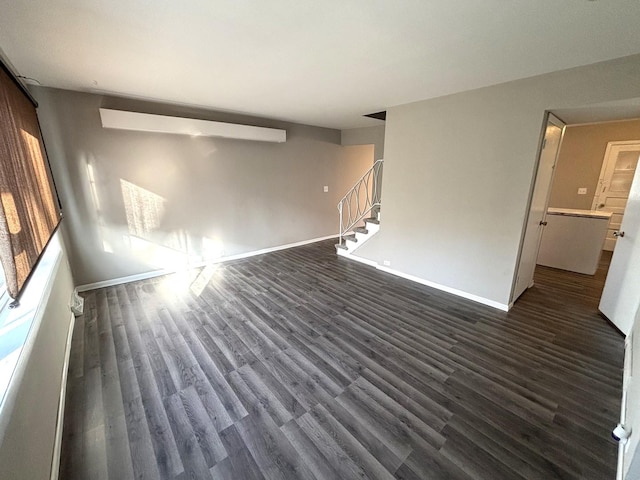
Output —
<point x="342" y="246"/>
<point x="351" y="237"/>
<point x="361" y="230"/>
<point x="375" y="221"/>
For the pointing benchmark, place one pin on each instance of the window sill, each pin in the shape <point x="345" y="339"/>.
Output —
<point x="19" y="326"/>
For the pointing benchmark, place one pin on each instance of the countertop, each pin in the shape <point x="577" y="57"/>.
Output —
<point x="570" y="212"/>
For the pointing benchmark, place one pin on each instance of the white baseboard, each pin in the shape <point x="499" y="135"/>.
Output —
<point x="366" y="261"/>
<point x="485" y="301"/>
<point x="127" y="279"/>
<point x="158" y="273"/>
<point x="55" y="462"/>
<point x="437" y="286"/>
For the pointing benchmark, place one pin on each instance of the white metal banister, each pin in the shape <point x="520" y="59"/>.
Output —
<point x="363" y="197"/>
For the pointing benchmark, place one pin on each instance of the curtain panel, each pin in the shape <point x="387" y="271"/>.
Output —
<point x="29" y="212"/>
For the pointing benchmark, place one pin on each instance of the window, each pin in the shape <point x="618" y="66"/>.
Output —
<point x="28" y="208"/>
<point x="29" y="216"/>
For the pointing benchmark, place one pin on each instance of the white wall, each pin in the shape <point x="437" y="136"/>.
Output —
<point x="459" y="171"/>
<point x="26" y="448"/>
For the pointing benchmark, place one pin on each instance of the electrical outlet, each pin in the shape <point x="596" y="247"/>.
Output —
<point x="326" y="188"/>
<point x="386" y="263"/>
<point x="582" y="191"/>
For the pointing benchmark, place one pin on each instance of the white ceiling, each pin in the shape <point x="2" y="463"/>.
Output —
<point x="320" y="62"/>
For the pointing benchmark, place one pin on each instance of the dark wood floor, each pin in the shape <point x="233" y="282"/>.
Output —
<point x="301" y="364"/>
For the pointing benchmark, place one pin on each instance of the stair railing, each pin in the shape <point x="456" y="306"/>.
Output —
<point x="363" y="197"/>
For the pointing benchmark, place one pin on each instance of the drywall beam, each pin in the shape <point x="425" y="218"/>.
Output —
<point x="146" y="122"/>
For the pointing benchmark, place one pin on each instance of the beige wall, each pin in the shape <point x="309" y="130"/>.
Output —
<point x="457" y="185"/>
<point x="365" y="136"/>
<point x="136" y="202"/>
<point x="26" y="449"/>
<point x="580" y="160"/>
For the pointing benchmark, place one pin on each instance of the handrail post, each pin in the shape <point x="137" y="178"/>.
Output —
<point x="340" y="229"/>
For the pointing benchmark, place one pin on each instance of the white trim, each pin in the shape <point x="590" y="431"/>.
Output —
<point x="121" y="280"/>
<point x="159" y="273"/>
<point x="586" y="124"/>
<point x="57" y="446"/>
<point x="554" y="120"/>
<point x="366" y="261"/>
<point x="469" y="296"/>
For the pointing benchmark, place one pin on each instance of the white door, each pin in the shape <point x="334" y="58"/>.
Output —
<point x="538" y="209"/>
<point x="629" y="454"/>
<point x="621" y="295"/>
<point x="618" y="167"/>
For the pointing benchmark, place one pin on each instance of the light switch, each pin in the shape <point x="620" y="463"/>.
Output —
<point x="326" y="188"/>
<point x="582" y="191"/>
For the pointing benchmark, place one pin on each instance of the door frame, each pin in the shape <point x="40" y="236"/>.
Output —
<point x="603" y="169"/>
<point x="606" y="160"/>
<point x="549" y="117"/>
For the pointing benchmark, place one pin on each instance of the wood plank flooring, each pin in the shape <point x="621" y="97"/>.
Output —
<point x="300" y="364"/>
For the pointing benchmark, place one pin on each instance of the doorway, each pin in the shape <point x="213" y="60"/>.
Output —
<point x="583" y="181"/>
<point x="596" y="171"/>
<point x="549" y="149"/>
<point x="583" y="177"/>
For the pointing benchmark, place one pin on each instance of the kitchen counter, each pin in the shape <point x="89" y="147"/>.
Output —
<point x="573" y="239"/>
<point x="578" y="213"/>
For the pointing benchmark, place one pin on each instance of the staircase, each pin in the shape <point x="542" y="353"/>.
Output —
<point x="359" y="211"/>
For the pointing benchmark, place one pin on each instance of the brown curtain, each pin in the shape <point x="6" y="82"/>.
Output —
<point x="28" y="208"/>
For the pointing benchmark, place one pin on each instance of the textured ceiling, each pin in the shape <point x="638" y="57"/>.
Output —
<point x="322" y="63"/>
